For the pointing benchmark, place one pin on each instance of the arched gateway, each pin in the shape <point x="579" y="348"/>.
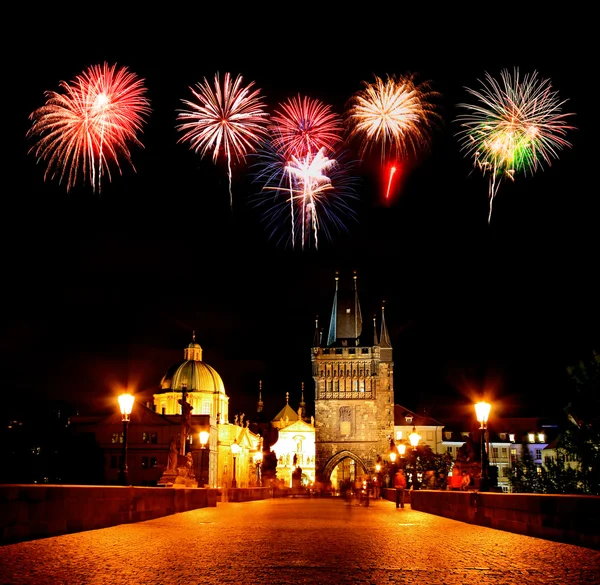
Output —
<point x="354" y="391"/>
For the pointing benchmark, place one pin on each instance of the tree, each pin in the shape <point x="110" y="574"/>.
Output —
<point x="525" y="477"/>
<point x="558" y="477"/>
<point x="581" y="439"/>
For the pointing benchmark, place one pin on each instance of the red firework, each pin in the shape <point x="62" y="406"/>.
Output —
<point x="303" y="126"/>
<point x="80" y="131"/>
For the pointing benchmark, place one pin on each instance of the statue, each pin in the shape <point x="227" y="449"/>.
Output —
<point x="173" y="453"/>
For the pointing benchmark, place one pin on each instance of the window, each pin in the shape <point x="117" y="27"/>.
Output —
<point x="144" y="462"/>
<point x="450" y="450"/>
<point x="495" y="452"/>
<point x="145" y="437"/>
<point x="154" y="438"/>
<point x="504" y="452"/>
<point x="115" y="438"/>
<point x="538" y="453"/>
<point x="206" y="408"/>
<point x="153" y="462"/>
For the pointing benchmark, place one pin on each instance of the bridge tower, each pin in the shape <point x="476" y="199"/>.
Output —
<point x="354" y="389"/>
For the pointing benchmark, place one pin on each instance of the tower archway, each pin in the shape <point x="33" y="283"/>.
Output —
<point x="345" y="466"/>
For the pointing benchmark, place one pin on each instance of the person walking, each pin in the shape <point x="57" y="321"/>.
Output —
<point x="400" y="485"/>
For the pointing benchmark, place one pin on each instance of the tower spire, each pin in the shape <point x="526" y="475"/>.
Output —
<point x="385" y="338"/>
<point x="333" y="322"/>
<point x="375" y="342"/>
<point x="317" y="337"/>
<point x="259" y="404"/>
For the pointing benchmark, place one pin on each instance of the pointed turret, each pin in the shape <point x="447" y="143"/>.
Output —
<point x="385" y="338"/>
<point x="302" y="406"/>
<point x="375" y="342"/>
<point x="345" y="326"/>
<point x="318" y="334"/>
<point x="259" y="404"/>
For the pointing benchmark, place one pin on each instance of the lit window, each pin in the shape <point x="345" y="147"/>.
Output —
<point x="511" y="437"/>
<point x="541" y="438"/>
<point x="531" y="438"/>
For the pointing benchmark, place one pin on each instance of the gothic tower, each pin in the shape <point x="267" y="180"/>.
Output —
<point x="354" y="389"/>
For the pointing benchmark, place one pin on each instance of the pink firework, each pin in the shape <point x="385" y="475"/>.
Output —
<point x="304" y="126"/>
<point x="227" y="119"/>
<point x="90" y="124"/>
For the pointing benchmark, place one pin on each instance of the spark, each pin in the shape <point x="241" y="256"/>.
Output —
<point x="89" y="125"/>
<point x="395" y="114"/>
<point x="516" y="125"/>
<point x="227" y="118"/>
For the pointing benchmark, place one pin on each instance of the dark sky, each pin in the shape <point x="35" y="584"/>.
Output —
<point x="103" y="290"/>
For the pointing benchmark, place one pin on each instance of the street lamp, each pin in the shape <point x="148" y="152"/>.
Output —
<point x="235" y="449"/>
<point x="203" y="441"/>
<point x="482" y="411"/>
<point x="258" y="462"/>
<point x="414" y="439"/>
<point x="126" y="406"/>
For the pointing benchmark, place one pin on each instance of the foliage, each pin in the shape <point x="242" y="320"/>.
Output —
<point x="525" y="477"/>
<point x="581" y="439"/>
<point x="558" y="477"/>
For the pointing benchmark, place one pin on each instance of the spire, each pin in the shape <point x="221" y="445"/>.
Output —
<point x="302" y="403"/>
<point x="317" y="337"/>
<point x="375" y="342"/>
<point x="333" y="321"/>
<point x="357" y="315"/>
<point x="385" y="338"/>
<point x="259" y="404"/>
<point x="346" y="320"/>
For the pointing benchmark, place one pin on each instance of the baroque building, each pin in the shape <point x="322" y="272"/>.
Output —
<point x="354" y="392"/>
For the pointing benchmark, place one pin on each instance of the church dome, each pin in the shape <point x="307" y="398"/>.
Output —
<point x="196" y="376"/>
<point x="193" y="373"/>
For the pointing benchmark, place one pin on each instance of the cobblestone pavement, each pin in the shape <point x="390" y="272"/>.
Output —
<point x="298" y="541"/>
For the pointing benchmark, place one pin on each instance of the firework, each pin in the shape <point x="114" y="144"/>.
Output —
<point x="517" y="125"/>
<point x="228" y="119"/>
<point x="89" y="125"/>
<point x="392" y="173"/>
<point x="305" y="126"/>
<point x="395" y="114"/>
<point x="304" y="197"/>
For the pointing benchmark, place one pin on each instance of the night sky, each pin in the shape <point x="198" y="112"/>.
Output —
<point x="103" y="291"/>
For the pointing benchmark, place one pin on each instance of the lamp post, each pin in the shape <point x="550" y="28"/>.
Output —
<point x="414" y="439"/>
<point x="203" y="441"/>
<point x="482" y="411"/>
<point x="126" y="406"/>
<point x="258" y="462"/>
<point x="235" y="449"/>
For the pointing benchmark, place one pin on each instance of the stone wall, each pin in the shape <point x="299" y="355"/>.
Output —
<point x="38" y="511"/>
<point x="561" y="518"/>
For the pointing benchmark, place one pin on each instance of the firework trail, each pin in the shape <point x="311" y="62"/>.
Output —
<point x="517" y="125"/>
<point x="89" y="125"/>
<point x="392" y="173"/>
<point x="227" y="118"/>
<point x="304" y="126"/>
<point x="304" y="197"/>
<point x="395" y="114"/>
